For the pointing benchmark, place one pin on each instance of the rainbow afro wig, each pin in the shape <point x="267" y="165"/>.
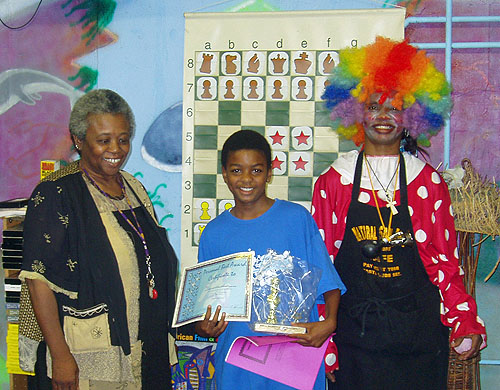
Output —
<point x="398" y="71"/>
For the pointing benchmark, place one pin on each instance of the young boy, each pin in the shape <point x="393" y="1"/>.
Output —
<point x="259" y="223"/>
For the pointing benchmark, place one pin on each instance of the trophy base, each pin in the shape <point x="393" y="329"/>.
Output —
<point x="279" y="329"/>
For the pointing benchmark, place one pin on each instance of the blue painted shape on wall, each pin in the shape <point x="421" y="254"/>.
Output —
<point x="162" y="143"/>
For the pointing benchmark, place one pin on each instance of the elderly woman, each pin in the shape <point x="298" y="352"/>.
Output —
<point x="100" y="270"/>
<point x="387" y="222"/>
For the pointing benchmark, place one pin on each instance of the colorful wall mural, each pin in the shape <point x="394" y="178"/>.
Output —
<point x="52" y="51"/>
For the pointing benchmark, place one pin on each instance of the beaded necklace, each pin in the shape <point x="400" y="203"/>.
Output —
<point x="150" y="278"/>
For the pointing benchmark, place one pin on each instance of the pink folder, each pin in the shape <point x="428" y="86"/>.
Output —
<point x="279" y="359"/>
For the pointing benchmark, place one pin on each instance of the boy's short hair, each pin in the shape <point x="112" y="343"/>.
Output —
<point x="246" y="139"/>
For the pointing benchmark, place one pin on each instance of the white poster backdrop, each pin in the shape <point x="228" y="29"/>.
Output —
<point x="264" y="71"/>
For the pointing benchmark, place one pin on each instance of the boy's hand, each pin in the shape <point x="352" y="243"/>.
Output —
<point x="317" y="332"/>
<point x="212" y="327"/>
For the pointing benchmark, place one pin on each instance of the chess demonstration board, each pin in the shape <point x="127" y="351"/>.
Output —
<point x="265" y="72"/>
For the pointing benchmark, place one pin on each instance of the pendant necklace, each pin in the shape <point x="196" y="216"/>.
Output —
<point x="391" y="202"/>
<point x="387" y="229"/>
<point x="150" y="278"/>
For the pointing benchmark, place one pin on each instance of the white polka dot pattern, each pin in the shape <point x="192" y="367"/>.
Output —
<point x="433" y="218"/>
<point x="364" y="197"/>
<point x="463" y="306"/>
<point x="451" y="320"/>
<point x="322" y="232"/>
<point x="330" y="359"/>
<point x="451" y="210"/>
<point x="479" y="319"/>
<point x="410" y="210"/>
<point x="440" y="276"/>
<point x="321" y="318"/>
<point x="437" y="205"/>
<point x="313" y="210"/>
<point x="422" y="192"/>
<point x="323" y="194"/>
<point x="434" y="260"/>
<point x="337" y="244"/>
<point x="446" y="234"/>
<point x="443" y="257"/>
<point x="334" y="218"/>
<point x="435" y="178"/>
<point x="455" y="253"/>
<point x="344" y="181"/>
<point x="420" y="236"/>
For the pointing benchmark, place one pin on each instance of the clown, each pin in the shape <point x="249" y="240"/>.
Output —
<point x="387" y="222"/>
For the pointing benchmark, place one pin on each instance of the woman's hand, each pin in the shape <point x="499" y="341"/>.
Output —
<point x="331" y="376"/>
<point x="65" y="373"/>
<point x="212" y="327"/>
<point x="476" y="340"/>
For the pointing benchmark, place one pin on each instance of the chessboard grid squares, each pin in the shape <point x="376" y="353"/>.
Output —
<point x="205" y="161"/>
<point x="206" y="112"/>
<point x="204" y="185"/>
<point x="205" y="137"/>
<point x="229" y="113"/>
<point x="277" y="113"/>
<point x="253" y="113"/>
<point x="278" y="188"/>
<point x="302" y="114"/>
<point x="218" y="118"/>
<point x="325" y="140"/>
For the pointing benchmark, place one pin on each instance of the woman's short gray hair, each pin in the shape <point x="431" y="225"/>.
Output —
<point x="98" y="101"/>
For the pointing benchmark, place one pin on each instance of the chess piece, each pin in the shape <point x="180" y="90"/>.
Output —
<point x="277" y="90"/>
<point x="206" y="65"/>
<point x="253" y="64"/>
<point x="253" y="90"/>
<point x="302" y="64"/>
<point x="229" y="90"/>
<point x="205" y="216"/>
<point x="278" y="63"/>
<point x="206" y="90"/>
<point x="328" y="64"/>
<point x="302" y="90"/>
<point x="230" y="65"/>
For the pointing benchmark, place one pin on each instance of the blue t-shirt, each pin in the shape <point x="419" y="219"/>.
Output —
<point x="285" y="226"/>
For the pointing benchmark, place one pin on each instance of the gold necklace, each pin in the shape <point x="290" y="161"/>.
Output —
<point x="391" y="205"/>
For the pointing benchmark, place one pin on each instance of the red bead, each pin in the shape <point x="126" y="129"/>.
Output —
<point x="154" y="294"/>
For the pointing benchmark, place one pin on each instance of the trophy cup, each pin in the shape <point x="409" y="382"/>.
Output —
<point x="284" y="291"/>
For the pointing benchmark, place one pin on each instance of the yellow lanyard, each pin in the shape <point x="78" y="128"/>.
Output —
<point x="388" y="229"/>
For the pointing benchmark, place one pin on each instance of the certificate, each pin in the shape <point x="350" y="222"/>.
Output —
<point x="225" y="281"/>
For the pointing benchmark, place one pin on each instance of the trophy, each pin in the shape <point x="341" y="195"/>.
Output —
<point x="284" y="291"/>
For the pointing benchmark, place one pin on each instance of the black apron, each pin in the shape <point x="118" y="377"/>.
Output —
<point x="389" y="330"/>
